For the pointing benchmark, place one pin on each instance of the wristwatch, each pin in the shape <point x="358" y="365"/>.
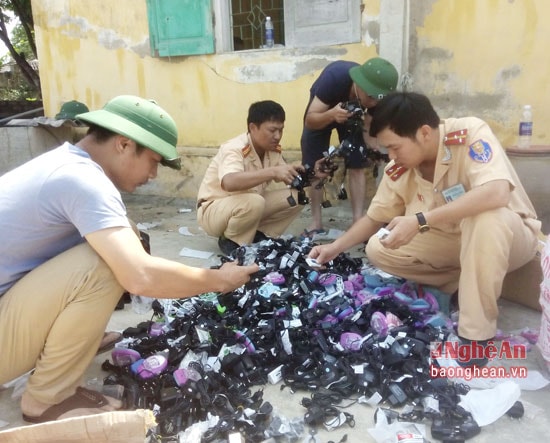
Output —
<point x="423" y="225"/>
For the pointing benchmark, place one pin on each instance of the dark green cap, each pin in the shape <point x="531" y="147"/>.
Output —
<point x="377" y="77"/>
<point x="141" y="120"/>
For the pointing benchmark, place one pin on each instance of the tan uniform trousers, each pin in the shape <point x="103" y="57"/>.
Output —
<point x="239" y="216"/>
<point x="53" y="320"/>
<point x="475" y="262"/>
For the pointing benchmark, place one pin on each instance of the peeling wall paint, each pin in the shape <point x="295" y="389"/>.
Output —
<point x="486" y="58"/>
<point x="92" y="54"/>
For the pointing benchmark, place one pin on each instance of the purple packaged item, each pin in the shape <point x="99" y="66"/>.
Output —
<point x="328" y="279"/>
<point x="124" y="356"/>
<point x="531" y="335"/>
<point x="180" y="376"/>
<point x="275" y="277"/>
<point x="152" y="366"/>
<point x="351" y="341"/>
<point x="401" y="297"/>
<point x="501" y="335"/>
<point x="156" y="329"/>
<point x="357" y="281"/>
<point x="384" y="290"/>
<point x="245" y="341"/>
<point x="393" y="320"/>
<point x="432" y="300"/>
<point x="345" y="313"/>
<point x="348" y="287"/>
<point x="517" y="342"/>
<point x="379" y="323"/>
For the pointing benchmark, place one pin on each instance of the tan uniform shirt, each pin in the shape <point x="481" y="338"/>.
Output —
<point x="469" y="156"/>
<point x="236" y="155"/>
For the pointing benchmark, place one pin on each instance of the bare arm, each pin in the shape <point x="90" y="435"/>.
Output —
<point x="140" y="273"/>
<point x="241" y="181"/>
<point x="320" y="115"/>
<point x="492" y="195"/>
<point x="359" y="232"/>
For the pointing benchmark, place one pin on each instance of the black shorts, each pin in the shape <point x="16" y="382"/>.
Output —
<point x="315" y="142"/>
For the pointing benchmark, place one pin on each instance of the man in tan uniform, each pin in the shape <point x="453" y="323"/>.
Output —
<point x="458" y="216"/>
<point x="235" y="201"/>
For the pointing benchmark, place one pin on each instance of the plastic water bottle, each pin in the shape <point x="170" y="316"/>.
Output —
<point x="268" y="32"/>
<point x="525" y="127"/>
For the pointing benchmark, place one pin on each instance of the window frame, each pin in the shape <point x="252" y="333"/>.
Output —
<point x="310" y="35"/>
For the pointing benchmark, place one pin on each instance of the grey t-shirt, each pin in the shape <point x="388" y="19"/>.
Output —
<point x="48" y="205"/>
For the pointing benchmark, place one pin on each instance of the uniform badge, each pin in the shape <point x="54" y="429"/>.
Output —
<point x="246" y="150"/>
<point x="394" y="172"/>
<point x="452" y="193"/>
<point x="481" y="152"/>
<point x="456" y="137"/>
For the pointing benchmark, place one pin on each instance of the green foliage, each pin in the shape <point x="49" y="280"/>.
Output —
<point x="23" y="82"/>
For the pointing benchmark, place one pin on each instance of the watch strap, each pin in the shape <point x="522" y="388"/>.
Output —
<point x="422" y="223"/>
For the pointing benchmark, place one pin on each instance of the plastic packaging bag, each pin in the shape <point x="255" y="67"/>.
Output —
<point x="543" y="342"/>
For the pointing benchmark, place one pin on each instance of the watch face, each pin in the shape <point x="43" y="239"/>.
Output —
<point x="424" y="228"/>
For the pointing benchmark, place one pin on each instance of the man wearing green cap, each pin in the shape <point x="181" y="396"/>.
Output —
<point x="339" y="83"/>
<point x="68" y="252"/>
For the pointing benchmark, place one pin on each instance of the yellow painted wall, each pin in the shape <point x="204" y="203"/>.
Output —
<point x="92" y="51"/>
<point x="471" y="57"/>
<point x="486" y="58"/>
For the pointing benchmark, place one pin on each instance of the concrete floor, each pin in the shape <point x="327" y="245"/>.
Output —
<point x="167" y="216"/>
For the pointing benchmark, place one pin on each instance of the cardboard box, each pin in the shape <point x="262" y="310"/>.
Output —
<point x="108" y="427"/>
<point x="523" y="285"/>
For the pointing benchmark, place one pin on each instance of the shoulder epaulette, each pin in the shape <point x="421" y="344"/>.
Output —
<point x="394" y="172"/>
<point x="456" y="137"/>
<point x="246" y="150"/>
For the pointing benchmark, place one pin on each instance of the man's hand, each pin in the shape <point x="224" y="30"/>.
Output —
<point x="236" y="275"/>
<point x="340" y="114"/>
<point x="324" y="253"/>
<point x="322" y="169"/>
<point x="286" y="173"/>
<point x="402" y="230"/>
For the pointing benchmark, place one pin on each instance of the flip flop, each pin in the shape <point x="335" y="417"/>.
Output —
<point x="110" y="338"/>
<point x="82" y="399"/>
<point x="311" y="233"/>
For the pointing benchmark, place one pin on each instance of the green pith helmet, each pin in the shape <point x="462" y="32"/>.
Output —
<point x="69" y="110"/>
<point x="377" y="77"/>
<point x="141" y="120"/>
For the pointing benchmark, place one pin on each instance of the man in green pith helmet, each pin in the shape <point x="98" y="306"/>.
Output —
<point x="69" y="110"/>
<point x="68" y="252"/>
<point x="342" y="86"/>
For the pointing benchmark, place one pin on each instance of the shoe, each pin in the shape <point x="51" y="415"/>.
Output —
<point x="311" y="234"/>
<point x="259" y="236"/>
<point x="226" y="246"/>
<point x="125" y="298"/>
<point x="110" y="338"/>
<point x="469" y="353"/>
<point x="83" y="398"/>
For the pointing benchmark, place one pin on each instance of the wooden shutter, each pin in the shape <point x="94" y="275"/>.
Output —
<point x="322" y="22"/>
<point x="180" y="27"/>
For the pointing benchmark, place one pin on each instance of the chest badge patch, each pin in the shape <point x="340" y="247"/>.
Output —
<point x="481" y="152"/>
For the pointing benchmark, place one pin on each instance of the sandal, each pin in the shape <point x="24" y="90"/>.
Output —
<point x="110" y="338"/>
<point x="311" y="234"/>
<point x="82" y="399"/>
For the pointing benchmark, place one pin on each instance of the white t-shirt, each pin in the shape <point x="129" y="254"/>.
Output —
<point x="48" y="205"/>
